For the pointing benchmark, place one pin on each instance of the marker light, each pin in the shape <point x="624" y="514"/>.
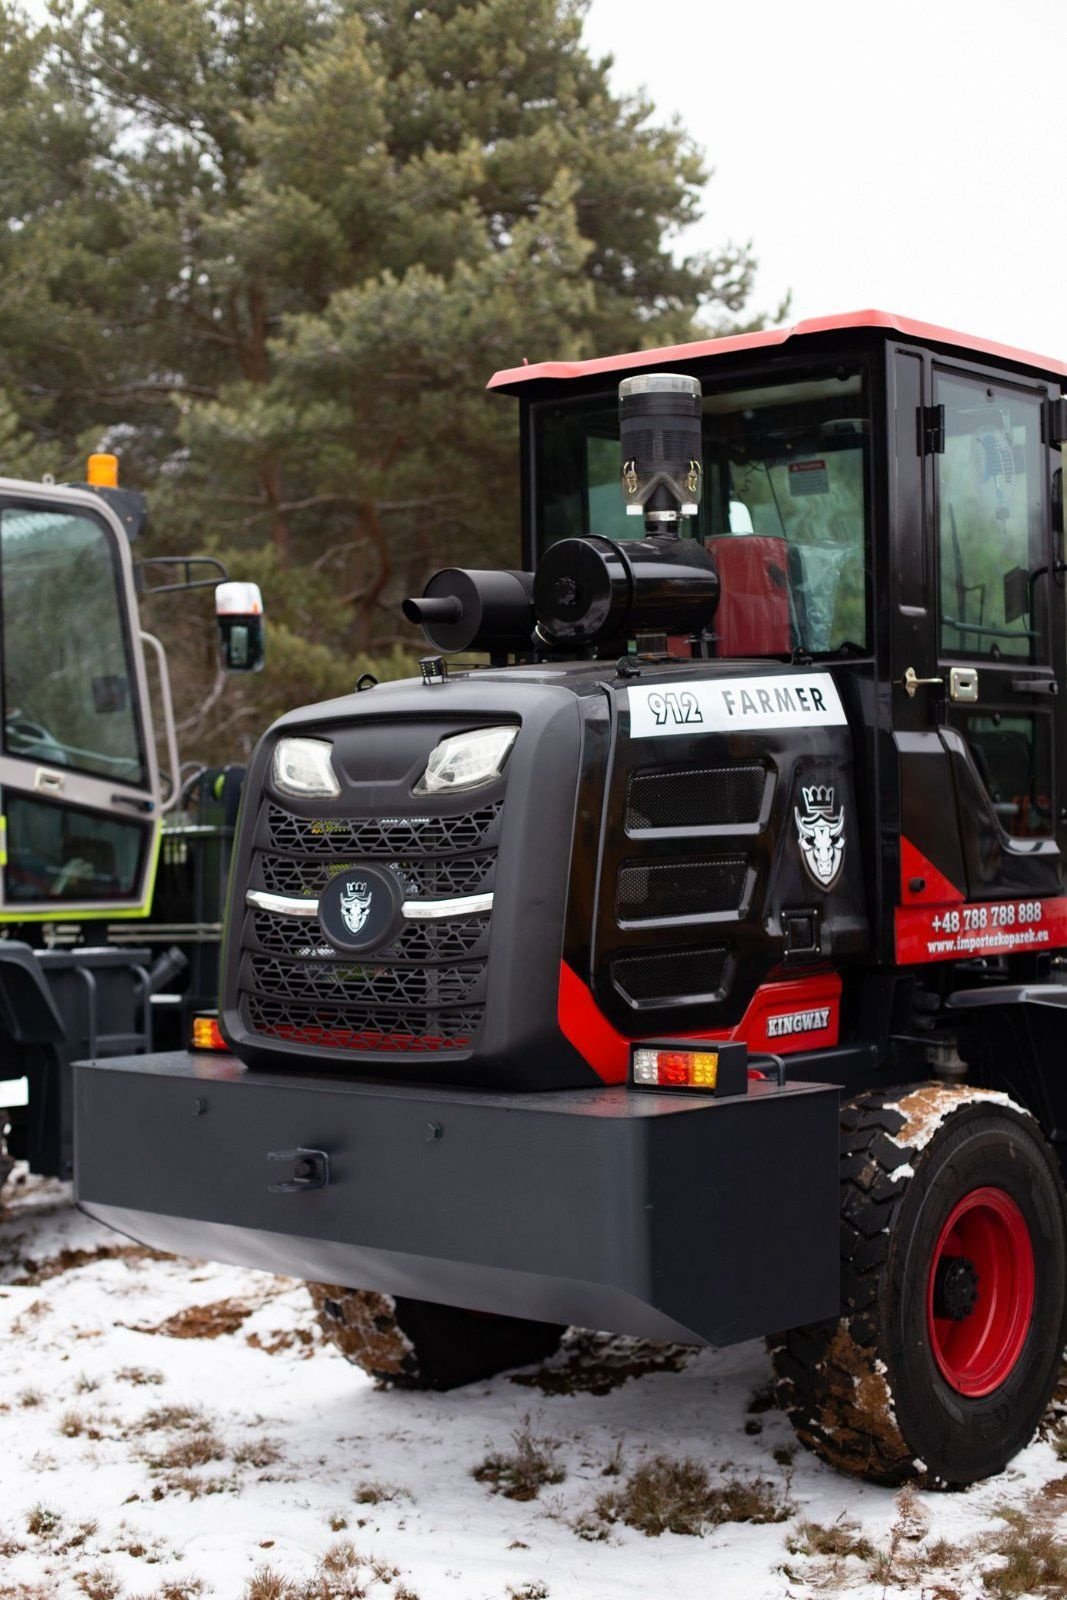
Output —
<point x="690" y="1064"/>
<point x="207" y="1034"/>
<point x="466" y="760"/>
<point x="102" y="471"/>
<point x="302" y="767"/>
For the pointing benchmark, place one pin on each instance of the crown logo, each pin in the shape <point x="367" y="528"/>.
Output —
<point x="819" y="799"/>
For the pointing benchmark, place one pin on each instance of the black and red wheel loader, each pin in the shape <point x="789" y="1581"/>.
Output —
<point x="694" y="969"/>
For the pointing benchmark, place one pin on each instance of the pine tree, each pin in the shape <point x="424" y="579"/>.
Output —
<point x="271" y="250"/>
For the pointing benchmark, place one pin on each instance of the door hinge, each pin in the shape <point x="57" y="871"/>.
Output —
<point x="931" y="421"/>
<point x="1057" y="420"/>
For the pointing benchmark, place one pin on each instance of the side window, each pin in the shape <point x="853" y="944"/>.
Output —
<point x="69" y="695"/>
<point x="1013" y="755"/>
<point x="990" y="521"/>
<point x="61" y="852"/>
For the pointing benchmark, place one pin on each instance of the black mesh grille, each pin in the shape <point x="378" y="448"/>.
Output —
<point x="344" y="982"/>
<point x="419" y="941"/>
<point x="381" y="836"/>
<point x="671" y="975"/>
<point x="425" y="991"/>
<point x="680" y="889"/>
<point x="430" y="880"/>
<point x="694" y="797"/>
<point x="364" y="1028"/>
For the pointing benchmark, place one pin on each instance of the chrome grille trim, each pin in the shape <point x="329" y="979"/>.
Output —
<point x="282" y="905"/>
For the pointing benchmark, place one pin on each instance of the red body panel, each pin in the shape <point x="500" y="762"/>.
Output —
<point x="782" y="1017"/>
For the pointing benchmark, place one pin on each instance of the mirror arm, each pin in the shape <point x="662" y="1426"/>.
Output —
<point x="169" y="729"/>
<point x="186" y="563"/>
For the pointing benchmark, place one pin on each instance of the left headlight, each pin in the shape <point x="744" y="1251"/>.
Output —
<point x="302" y="767"/>
<point x="465" y="760"/>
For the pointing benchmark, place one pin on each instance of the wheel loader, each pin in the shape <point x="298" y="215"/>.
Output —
<point x="691" y="964"/>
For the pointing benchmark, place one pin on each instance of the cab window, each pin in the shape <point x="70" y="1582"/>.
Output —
<point x="68" y="683"/>
<point x="990" y="513"/>
<point x="784" y="508"/>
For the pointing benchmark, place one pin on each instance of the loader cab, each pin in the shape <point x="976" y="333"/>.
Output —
<point x="79" y="783"/>
<point x="884" y="498"/>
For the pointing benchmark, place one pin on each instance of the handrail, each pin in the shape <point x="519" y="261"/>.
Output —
<point x="169" y="729"/>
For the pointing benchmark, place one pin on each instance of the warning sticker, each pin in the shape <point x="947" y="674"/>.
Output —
<point x="808" y="477"/>
<point x="988" y="928"/>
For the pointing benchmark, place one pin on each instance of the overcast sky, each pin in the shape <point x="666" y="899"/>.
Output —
<point x="908" y="156"/>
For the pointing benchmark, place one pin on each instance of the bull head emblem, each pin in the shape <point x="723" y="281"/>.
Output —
<point x="821" y="833"/>
<point x="355" y="904"/>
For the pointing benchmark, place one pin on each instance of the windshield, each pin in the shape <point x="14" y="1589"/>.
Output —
<point x="67" y="675"/>
<point x="784" y="506"/>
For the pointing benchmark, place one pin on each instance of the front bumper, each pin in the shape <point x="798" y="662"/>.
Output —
<point x="656" y="1214"/>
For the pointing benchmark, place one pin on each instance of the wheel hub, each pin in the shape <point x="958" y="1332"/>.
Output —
<point x="980" y="1291"/>
<point x="955" y="1287"/>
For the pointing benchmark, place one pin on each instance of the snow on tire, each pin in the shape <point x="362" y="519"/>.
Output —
<point x="416" y="1344"/>
<point x="953" y="1292"/>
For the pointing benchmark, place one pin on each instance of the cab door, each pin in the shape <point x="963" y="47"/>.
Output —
<point x="999" y="631"/>
<point x="79" y="783"/>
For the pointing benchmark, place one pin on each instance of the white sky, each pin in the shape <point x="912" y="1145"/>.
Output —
<point x="910" y="156"/>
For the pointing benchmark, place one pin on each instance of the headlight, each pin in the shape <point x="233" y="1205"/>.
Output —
<point x="303" y="767"/>
<point x="465" y="760"/>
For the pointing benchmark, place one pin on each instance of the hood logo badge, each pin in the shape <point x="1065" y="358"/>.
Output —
<point x="356" y="904"/>
<point x="821" y="834"/>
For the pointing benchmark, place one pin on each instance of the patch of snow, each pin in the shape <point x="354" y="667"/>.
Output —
<point x="303" y="1439"/>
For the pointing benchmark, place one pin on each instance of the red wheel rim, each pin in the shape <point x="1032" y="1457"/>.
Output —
<point x="980" y="1291"/>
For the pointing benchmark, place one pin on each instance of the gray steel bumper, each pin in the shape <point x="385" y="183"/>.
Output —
<point x="673" y="1217"/>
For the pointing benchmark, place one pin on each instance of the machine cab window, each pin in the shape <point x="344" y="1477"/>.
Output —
<point x="784" y="509"/>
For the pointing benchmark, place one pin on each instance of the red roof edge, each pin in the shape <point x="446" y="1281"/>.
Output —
<point x="906" y="327"/>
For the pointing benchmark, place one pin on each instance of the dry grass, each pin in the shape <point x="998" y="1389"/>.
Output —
<point x="257" y="1453"/>
<point x="1032" y="1557"/>
<point x="521" y="1473"/>
<point x="534" y="1590"/>
<point x="139" y="1375"/>
<point x="189" y="1588"/>
<point x="161" y="1418"/>
<point x="42" y="1522"/>
<point x="340" y="1574"/>
<point x="374" y="1493"/>
<point x="669" y="1496"/>
<point x="198" y="1449"/>
<point x="99" y="1584"/>
<point x="28" y="1398"/>
<point x="840" y="1539"/>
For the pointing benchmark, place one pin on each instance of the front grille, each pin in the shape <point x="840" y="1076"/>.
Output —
<point x="350" y="982"/>
<point x="419" y="941"/>
<point x="688" y="797"/>
<point x="380" y="836"/>
<point x="423" y="992"/>
<point x="369" y="1030"/>
<point x="423" y="880"/>
<point x="680" y="889"/>
<point x="672" y="976"/>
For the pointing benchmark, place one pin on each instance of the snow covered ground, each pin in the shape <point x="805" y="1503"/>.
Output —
<point x="173" y="1430"/>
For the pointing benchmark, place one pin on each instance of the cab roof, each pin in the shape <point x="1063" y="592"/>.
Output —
<point x="512" y="379"/>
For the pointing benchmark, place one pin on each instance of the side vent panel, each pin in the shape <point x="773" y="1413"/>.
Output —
<point x="695" y="797"/>
<point x="693" y="889"/>
<point x="671" y="977"/>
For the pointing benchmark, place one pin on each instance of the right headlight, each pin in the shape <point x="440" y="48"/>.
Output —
<point x="466" y="760"/>
<point x="302" y="767"/>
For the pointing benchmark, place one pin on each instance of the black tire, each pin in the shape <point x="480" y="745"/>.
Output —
<point x="866" y="1391"/>
<point x="415" y="1344"/>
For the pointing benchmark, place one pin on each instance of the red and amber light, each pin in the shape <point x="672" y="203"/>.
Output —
<point x="676" y="1069"/>
<point x="207" y="1034"/>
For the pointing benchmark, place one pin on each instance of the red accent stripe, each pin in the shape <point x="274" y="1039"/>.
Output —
<point x="937" y="890"/>
<point x="607" y="1050"/>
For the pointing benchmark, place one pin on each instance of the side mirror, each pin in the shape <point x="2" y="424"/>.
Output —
<point x="239" y="609"/>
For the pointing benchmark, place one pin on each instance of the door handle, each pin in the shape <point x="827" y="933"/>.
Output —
<point x="911" y="681"/>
